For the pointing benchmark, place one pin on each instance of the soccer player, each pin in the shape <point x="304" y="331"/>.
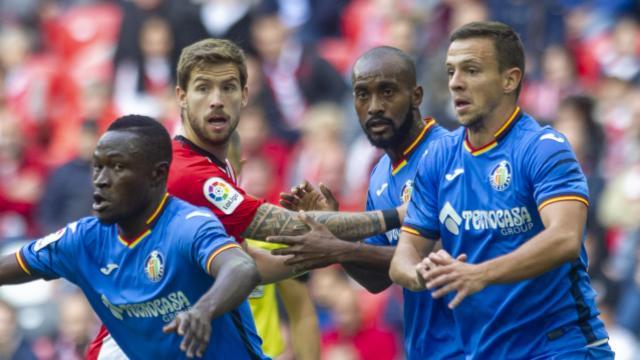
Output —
<point x="510" y="195"/>
<point x="149" y="262"/>
<point x="387" y="101"/>
<point x="212" y="90"/>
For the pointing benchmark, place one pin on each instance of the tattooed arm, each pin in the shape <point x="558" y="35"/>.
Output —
<point x="272" y="220"/>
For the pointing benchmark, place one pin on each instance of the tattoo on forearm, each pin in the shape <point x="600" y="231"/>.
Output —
<point x="272" y="220"/>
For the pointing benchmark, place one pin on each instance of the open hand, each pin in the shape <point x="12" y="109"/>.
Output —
<point x="195" y="326"/>
<point x="306" y="197"/>
<point x="314" y="249"/>
<point x="443" y="274"/>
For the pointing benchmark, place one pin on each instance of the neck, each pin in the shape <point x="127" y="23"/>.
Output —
<point x="135" y="225"/>
<point x="396" y="153"/>
<point x="485" y="133"/>
<point x="217" y="150"/>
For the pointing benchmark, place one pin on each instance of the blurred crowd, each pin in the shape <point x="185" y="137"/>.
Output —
<point x="70" y="67"/>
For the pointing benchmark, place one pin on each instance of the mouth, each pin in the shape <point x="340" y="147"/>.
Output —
<point x="100" y="203"/>
<point x="461" y="105"/>
<point x="217" y="122"/>
<point x="378" y="126"/>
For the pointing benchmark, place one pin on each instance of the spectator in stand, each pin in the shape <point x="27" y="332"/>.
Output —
<point x="21" y="178"/>
<point x="78" y="323"/>
<point x="141" y="82"/>
<point x="68" y="193"/>
<point x="12" y="345"/>
<point x="296" y="77"/>
<point x="350" y="335"/>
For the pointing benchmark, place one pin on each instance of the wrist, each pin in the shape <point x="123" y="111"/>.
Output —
<point x="346" y="252"/>
<point x="204" y="310"/>
<point x="486" y="273"/>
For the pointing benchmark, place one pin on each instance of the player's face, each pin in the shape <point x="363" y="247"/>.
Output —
<point x="120" y="178"/>
<point x="475" y="81"/>
<point x="212" y="103"/>
<point x="384" y="102"/>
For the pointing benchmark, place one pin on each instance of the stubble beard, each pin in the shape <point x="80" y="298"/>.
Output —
<point x="399" y="134"/>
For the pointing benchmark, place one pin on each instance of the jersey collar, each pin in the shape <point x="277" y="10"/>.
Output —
<point x="191" y="145"/>
<point x="430" y="123"/>
<point x="498" y="135"/>
<point x="149" y="224"/>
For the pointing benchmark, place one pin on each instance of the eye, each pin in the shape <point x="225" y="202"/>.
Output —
<point x="361" y="95"/>
<point x="387" y="92"/>
<point x="202" y="88"/>
<point x="229" y="88"/>
<point x="450" y="72"/>
<point x="118" y="167"/>
<point x="472" y="71"/>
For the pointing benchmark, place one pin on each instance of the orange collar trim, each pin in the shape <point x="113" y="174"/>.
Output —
<point x="130" y="243"/>
<point x="429" y="124"/>
<point x="498" y="135"/>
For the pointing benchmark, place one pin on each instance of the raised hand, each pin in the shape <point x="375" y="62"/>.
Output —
<point x="194" y="325"/>
<point x="306" y="197"/>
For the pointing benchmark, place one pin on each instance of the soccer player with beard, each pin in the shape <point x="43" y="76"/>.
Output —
<point x="148" y="261"/>
<point x="510" y="195"/>
<point x="387" y="99"/>
<point x="212" y="90"/>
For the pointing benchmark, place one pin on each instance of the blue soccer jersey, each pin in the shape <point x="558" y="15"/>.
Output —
<point x="429" y="329"/>
<point x="486" y="203"/>
<point x="138" y="286"/>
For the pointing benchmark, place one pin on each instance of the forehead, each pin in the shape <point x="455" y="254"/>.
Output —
<point x="372" y="70"/>
<point x="215" y="72"/>
<point x="123" y="144"/>
<point x="481" y="50"/>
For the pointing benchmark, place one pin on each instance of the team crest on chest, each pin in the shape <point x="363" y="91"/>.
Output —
<point x="407" y="189"/>
<point x="154" y="266"/>
<point x="500" y="176"/>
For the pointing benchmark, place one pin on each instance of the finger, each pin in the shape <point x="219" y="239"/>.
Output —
<point x="310" y="222"/>
<point x="330" y="198"/>
<point x="457" y="299"/>
<point x="306" y="186"/>
<point x="186" y="341"/>
<point x="294" y="199"/>
<point x="436" y="294"/>
<point x="283" y="239"/>
<point x="195" y="344"/>
<point x="421" y="270"/>
<point x="170" y="327"/>
<point x="288" y="205"/>
<point x="436" y="272"/>
<point x="462" y="257"/>
<point x="439" y="259"/>
<point x="285" y="251"/>
<point x="444" y="254"/>
<point x="205" y="337"/>
<point x="441" y="280"/>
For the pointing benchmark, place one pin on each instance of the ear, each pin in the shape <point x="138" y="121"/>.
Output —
<point x="160" y="174"/>
<point x="511" y="79"/>
<point x="416" y="96"/>
<point x="245" y="96"/>
<point x="182" y="97"/>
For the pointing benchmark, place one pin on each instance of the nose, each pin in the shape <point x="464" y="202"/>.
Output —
<point x="456" y="82"/>
<point x="101" y="178"/>
<point x="376" y="106"/>
<point x="216" y="99"/>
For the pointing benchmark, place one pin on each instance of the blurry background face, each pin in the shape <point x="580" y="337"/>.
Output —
<point x="155" y="38"/>
<point x="269" y="36"/>
<point x="8" y="326"/>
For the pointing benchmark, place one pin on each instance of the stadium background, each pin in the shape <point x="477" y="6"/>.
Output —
<point x="69" y="67"/>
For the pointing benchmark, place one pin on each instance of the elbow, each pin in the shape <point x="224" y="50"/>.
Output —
<point x="572" y="246"/>
<point x="249" y="272"/>
<point x="377" y="287"/>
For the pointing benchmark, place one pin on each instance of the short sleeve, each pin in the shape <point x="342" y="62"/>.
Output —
<point x="52" y="256"/>
<point x="554" y="172"/>
<point x="207" y="241"/>
<point x="380" y="239"/>
<point x="422" y="211"/>
<point x="227" y="201"/>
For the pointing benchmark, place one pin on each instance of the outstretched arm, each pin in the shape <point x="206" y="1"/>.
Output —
<point x="236" y="276"/>
<point x="11" y="272"/>
<point x="272" y="220"/>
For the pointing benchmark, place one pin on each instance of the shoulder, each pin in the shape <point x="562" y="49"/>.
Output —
<point x="87" y="229"/>
<point x="540" y="139"/>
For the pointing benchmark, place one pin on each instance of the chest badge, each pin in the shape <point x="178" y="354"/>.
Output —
<point x="154" y="266"/>
<point x="500" y="176"/>
<point x="407" y="189"/>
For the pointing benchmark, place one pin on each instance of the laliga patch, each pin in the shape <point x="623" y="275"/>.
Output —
<point x="40" y="244"/>
<point x="224" y="196"/>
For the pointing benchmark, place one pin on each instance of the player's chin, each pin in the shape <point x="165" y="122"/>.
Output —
<point x="106" y="218"/>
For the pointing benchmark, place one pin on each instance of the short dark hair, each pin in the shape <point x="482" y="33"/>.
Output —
<point x="506" y="42"/>
<point x="406" y="62"/>
<point x="154" y="139"/>
<point x="210" y="51"/>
